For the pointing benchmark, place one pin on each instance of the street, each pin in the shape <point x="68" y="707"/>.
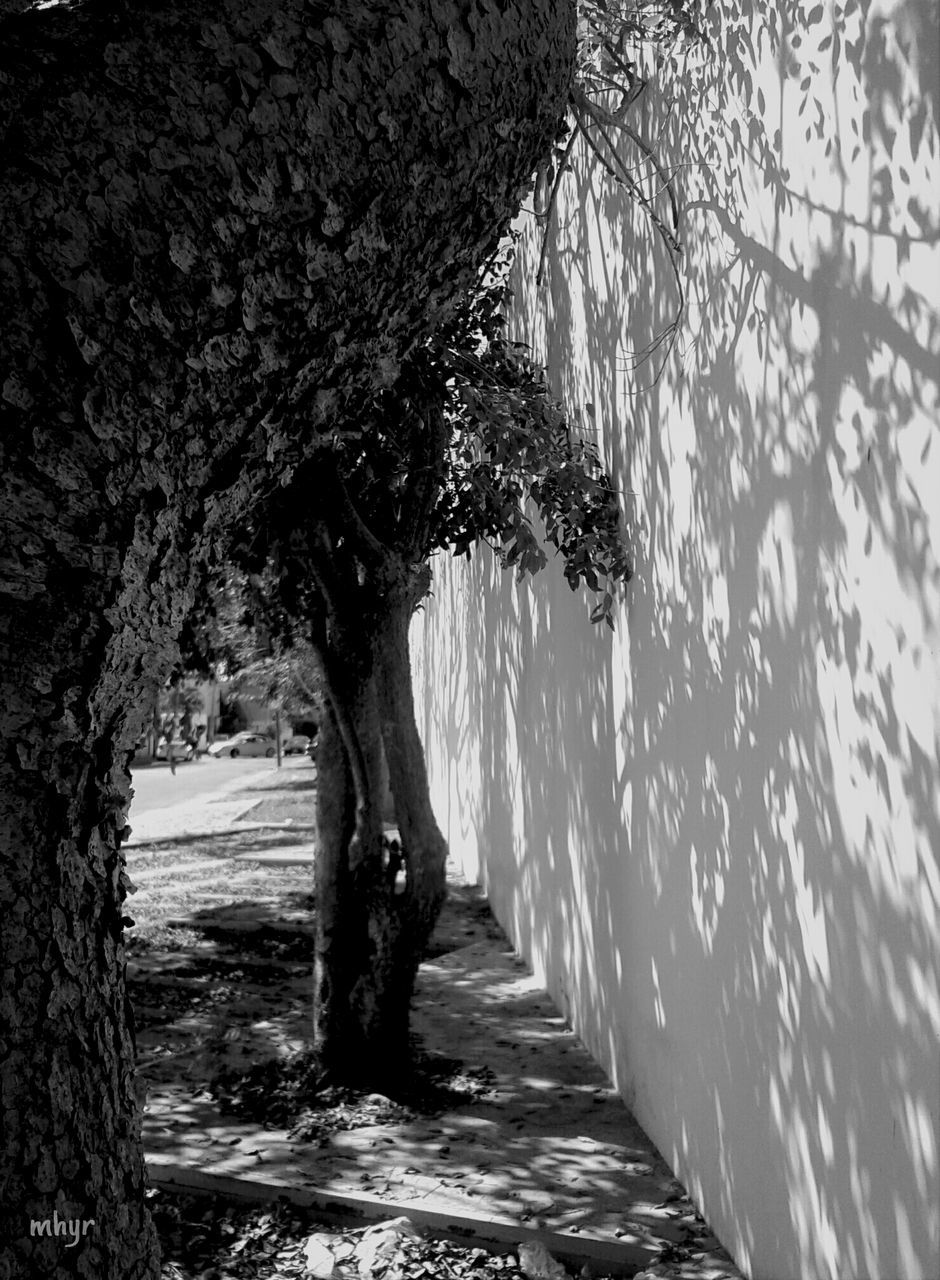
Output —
<point x="156" y="788"/>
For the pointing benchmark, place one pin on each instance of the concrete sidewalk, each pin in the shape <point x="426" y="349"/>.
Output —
<point x="554" y="1151"/>
<point x="552" y="1154"/>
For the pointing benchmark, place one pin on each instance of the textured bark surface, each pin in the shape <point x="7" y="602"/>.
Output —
<point x="217" y="227"/>
<point x="334" y="945"/>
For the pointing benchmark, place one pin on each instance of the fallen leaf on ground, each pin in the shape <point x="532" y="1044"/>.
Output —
<point x="538" y="1264"/>
<point x="320" y="1260"/>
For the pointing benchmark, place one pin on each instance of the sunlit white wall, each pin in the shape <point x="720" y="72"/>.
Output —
<point x="717" y="833"/>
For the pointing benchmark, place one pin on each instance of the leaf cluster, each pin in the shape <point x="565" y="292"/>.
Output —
<point x="468" y="446"/>
<point x="610" y="32"/>
<point x="513" y="452"/>
<point x="239" y="630"/>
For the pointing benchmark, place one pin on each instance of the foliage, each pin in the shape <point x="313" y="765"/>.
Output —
<point x="179" y="699"/>
<point x="623" y="46"/>
<point x="612" y="33"/>
<point x="512" y="448"/>
<point x="177" y="706"/>
<point x="233" y="633"/>
<point x="508" y="453"/>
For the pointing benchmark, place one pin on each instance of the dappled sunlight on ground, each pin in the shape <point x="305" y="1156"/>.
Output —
<point x="549" y="1146"/>
<point x="173" y="881"/>
<point x="524" y="1135"/>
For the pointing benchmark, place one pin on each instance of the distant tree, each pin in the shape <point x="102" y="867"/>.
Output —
<point x="229" y="636"/>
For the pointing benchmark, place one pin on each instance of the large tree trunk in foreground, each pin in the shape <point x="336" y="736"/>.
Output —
<point x="72" y="1161"/>
<point x="219" y="224"/>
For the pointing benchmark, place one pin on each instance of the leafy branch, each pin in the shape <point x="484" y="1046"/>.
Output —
<point x="609" y="80"/>
<point x="513" y="453"/>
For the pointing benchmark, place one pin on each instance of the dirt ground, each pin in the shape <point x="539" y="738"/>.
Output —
<point x="529" y="1143"/>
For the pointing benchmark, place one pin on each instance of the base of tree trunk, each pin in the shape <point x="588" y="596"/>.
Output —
<point x="296" y="1093"/>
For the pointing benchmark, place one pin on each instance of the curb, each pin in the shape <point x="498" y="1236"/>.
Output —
<point x="225" y="924"/>
<point x="190" y="837"/>
<point x="345" y="1209"/>
<point x="288" y="855"/>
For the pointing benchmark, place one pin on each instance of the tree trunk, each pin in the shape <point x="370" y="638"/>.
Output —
<point x="71" y="1132"/>
<point x="372" y="922"/>
<point x="218" y="225"/>
<point x="362" y="990"/>
<point x="71" y="1190"/>
<point x="333" y="946"/>
<point x="424" y="847"/>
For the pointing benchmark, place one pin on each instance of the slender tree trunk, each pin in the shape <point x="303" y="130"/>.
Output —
<point x="425" y="849"/>
<point x="361" y="989"/>
<point x="372" y="924"/>
<point x="333" y="949"/>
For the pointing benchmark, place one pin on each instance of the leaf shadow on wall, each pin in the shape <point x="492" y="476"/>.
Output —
<point x="724" y="829"/>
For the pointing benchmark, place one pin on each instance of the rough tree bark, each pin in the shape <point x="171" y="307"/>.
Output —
<point x="218" y="225"/>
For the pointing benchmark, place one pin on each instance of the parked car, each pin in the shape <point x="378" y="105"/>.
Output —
<point x="295" y="745"/>
<point x="181" y="750"/>
<point x="244" y="744"/>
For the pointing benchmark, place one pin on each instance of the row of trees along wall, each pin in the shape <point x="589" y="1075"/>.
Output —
<point x="222" y="229"/>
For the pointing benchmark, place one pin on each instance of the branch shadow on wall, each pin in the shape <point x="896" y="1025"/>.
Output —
<point x="749" y="755"/>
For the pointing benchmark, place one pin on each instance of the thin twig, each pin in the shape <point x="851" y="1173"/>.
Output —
<point x="552" y="200"/>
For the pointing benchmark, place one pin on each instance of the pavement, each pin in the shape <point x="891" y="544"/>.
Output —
<point x="552" y="1154"/>
<point x="221" y="810"/>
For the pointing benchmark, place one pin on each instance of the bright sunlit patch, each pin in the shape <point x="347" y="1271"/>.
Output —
<point x="923" y="988"/>
<point x="908" y="1258"/>
<point x="778" y="592"/>
<point x="808" y="1202"/>
<point x="658" y="1006"/>
<point x="922" y="1143"/>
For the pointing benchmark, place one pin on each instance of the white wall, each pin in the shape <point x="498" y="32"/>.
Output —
<point x="717" y="833"/>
